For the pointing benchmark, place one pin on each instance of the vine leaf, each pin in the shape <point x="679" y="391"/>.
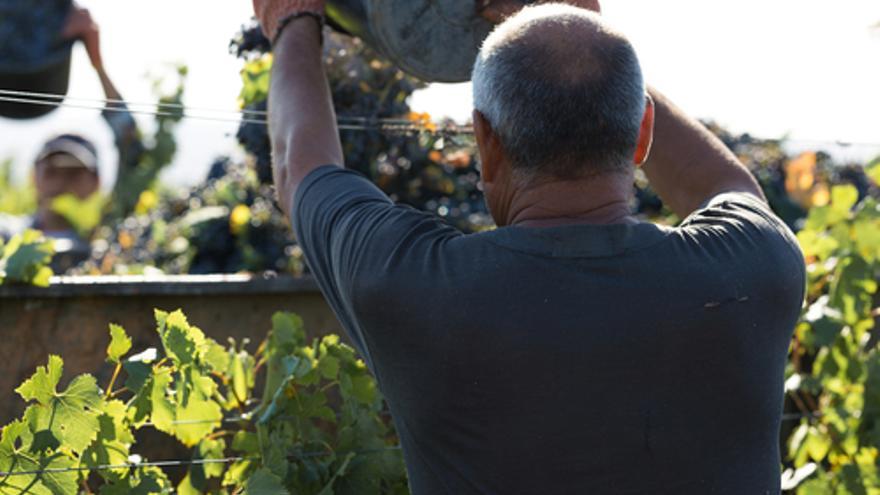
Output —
<point x="120" y="344"/>
<point x="25" y="257"/>
<point x="70" y="416"/>
<point x="15" y="456"/>
<point x="191" y="419"/>
<point x="264" y="482"/>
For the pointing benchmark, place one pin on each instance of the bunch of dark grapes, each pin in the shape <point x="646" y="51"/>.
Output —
<point x="249" y="41"/>
<point x="429" y="171"/>
<point x="228" y="224"/>
<point x="254" y="138"/>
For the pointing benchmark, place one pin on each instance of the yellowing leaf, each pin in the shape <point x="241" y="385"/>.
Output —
<point x="120" y="343"/>
<point x="821" y="196"/>
<point x="843" y="198"/>
<point x="800" y="173"/>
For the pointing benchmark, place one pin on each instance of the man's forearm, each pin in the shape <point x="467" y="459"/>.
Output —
<point x="688" y="164"/>
<point x="302" y="122"/>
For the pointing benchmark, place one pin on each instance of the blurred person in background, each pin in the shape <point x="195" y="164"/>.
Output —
<point x="68" y="164"/>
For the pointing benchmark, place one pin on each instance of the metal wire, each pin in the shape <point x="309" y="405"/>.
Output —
<point x="188" y="462"/>
<point x="243" y="116"/>
<point x="346" y="122"/>
<point x="129" y="465"/>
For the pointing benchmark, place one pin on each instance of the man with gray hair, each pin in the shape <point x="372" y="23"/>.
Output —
<point x="575" y="349"/>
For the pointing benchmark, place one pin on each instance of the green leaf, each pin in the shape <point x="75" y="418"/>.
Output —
<point x="245" y="442"/>
<point x="216" y="356"/>
<point x="41" y="386"/>
<point x="817" y="445"/>
<point x="113" y="441"/>
<point x="25" y="259"/>
<point x="179" y="339"/>
<point x="16" y="456"/>
<point x="843" y="198"/>
<point x="120" y="343"/>
<point x="825" y="331"/>
<point x="83" y="214"/>
<point x="142" y="481"/>
<point x="329" y="367"/>
<point x="70" y="416"/>
<point x="188" y="420"/>
<point x="328" y="489"/>
<point x="364" y="389"/>
<point x="264" y="482"/>
<point x="205" y="417"/>
<point x="873" y="171"/>
<point x="287" y="332"/>
<point x="137" y="374"/>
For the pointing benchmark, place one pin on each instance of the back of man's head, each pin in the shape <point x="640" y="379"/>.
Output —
<point x="563" y="92"/>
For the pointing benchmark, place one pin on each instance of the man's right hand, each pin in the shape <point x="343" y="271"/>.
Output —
<point x="495" y="11"/>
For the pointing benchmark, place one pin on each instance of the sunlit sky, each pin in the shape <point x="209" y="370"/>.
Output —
<point x="808" y="69"/>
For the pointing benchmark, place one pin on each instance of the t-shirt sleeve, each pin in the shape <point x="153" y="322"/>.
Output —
<point x="738" y="229"/>
<point x="353" y="237"/>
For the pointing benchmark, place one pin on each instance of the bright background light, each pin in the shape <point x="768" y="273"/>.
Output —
<point x="808" y="69"/>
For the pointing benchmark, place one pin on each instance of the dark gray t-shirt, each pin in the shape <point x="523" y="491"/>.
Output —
<point x="577" y="359"/>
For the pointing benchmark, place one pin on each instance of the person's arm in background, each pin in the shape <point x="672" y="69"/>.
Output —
<point x="80" y="25"/>
<point x="688" y="165"/>
<point x="302" y="122"/>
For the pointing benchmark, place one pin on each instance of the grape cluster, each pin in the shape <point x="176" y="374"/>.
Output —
<point x="432" y="171"/>
<point x="254" y="138"/>
<point x="229" y="224"/>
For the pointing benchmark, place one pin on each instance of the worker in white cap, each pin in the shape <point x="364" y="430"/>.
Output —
<point x="68" y="164"/>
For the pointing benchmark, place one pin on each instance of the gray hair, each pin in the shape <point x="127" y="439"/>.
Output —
<point x="563" y="92"/>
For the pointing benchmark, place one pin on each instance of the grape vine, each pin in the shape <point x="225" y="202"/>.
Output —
<point x="316" y="426"/>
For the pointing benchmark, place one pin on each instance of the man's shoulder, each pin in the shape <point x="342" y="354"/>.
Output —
<point x="740" y="214"/>
<point x="737" y="229"/>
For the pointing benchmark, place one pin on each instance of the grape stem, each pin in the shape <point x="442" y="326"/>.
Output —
<point x="109" y="392"/>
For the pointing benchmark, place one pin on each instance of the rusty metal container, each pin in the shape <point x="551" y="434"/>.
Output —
<point x="434" y="40"/>
<point x="71" y="317"/>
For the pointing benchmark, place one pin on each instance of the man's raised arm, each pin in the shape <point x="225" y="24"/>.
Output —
<point x="302" y="122"/>
<point x="688" y="165"/>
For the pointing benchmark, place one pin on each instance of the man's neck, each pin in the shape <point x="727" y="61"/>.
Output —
<point x="601" y="200"/>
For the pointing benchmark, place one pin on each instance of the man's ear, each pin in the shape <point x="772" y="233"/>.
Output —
<point x="646" y="133"/>
<point x="490" y="147"/>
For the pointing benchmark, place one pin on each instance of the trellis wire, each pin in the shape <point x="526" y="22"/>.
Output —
<point x="346" y="123"/>
<point x="128" y="465"/>
<point x="187" y="462"/>
<point x="112" y="101"/>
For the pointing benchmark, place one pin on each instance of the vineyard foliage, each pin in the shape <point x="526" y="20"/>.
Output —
<point x="25" y="259"/>
<point x="833" y="377"/>
<point x="316" y="426"/>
